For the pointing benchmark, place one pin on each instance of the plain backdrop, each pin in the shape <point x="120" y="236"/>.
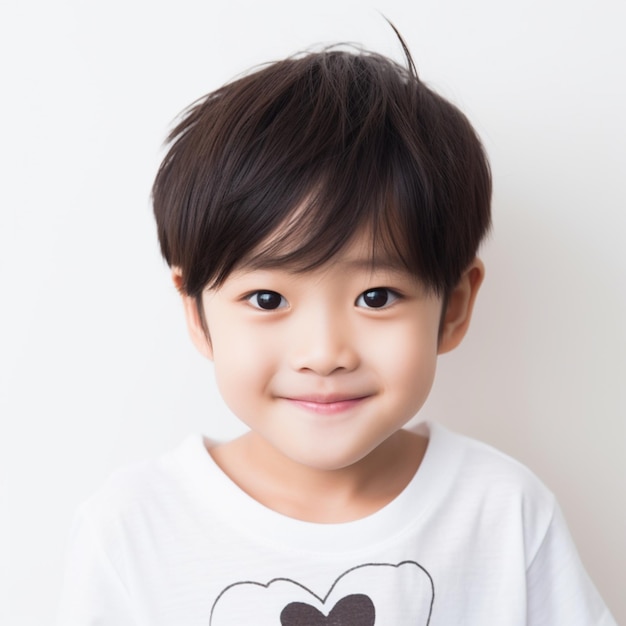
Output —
<point x="96" y="367"/>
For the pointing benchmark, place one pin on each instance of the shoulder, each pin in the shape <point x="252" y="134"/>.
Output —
<point x="477" y="481"/>
<point x="132" y="494"/>
<point x="500" y="516"/>
<point x="475" y="462"/>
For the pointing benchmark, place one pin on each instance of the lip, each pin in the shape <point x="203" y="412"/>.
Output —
<point x="327" y="404"/>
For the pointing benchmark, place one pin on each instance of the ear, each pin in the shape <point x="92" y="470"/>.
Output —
<point x="195" y="324"/>
<point x="458" y="313"/>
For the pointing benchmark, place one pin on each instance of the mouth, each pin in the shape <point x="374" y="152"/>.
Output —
<point x="327" y="404"/>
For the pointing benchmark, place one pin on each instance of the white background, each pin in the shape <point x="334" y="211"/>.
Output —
<point x="96" y="368"/>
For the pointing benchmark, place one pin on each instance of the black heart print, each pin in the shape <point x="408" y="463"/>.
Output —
<point x="353" y="610"/>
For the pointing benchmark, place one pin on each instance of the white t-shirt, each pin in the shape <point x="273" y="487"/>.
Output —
<point x="474" y="539"/>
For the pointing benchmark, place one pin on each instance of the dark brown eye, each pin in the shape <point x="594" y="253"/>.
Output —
<point x="376" y="298"/>
<point x="267" y="300"/>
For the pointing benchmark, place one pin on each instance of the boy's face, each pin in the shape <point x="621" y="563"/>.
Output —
<point x="324" y="366"/>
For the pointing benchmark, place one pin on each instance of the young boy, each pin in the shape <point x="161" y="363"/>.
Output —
<point x="322" y="217"/>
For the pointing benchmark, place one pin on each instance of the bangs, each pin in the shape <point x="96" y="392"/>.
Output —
<point x="317" y="230"/>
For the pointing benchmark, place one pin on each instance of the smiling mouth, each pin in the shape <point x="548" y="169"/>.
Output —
<point x="327" y="405"/>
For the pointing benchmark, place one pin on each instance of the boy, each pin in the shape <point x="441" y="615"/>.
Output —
<point x="322" y="218"/>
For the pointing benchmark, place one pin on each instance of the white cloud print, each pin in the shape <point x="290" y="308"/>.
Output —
<point x="374" y="594"/>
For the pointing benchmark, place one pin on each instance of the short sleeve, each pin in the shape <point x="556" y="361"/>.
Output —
<point x="93" y="592"/>
<point x="559" y="590"/>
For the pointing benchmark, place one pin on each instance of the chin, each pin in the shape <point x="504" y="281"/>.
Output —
<point x="328" y="460"/>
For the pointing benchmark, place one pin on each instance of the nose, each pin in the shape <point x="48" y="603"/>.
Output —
<point x="324" y="343"/>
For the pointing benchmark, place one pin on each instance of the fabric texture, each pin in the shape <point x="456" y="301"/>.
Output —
<point x="474" y="539"/>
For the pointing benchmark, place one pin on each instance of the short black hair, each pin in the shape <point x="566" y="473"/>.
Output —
<point x="318" y="147"/>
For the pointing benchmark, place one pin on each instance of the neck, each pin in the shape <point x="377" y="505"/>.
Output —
<point x="319" y="495"/>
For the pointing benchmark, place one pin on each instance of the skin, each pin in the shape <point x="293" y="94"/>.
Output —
<point x="325" y="368"/>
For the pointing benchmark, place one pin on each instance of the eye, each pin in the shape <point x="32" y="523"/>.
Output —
<point x="377" y="298"/>
<point x="266" y="300"/>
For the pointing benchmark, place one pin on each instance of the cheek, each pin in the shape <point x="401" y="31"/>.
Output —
<point x="408" y="358"/>
<point x="244" y="364"/>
